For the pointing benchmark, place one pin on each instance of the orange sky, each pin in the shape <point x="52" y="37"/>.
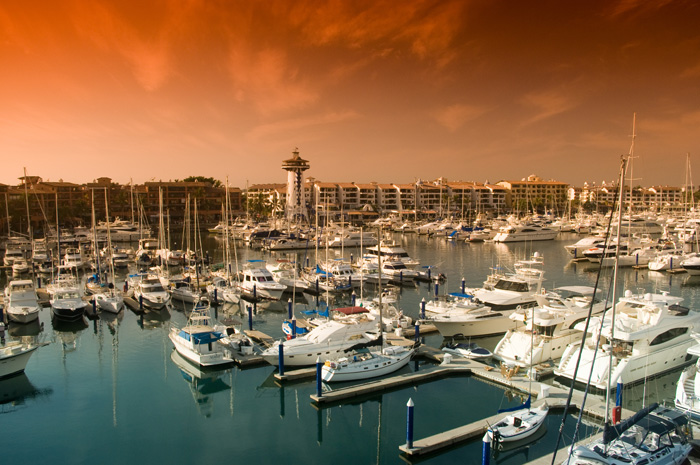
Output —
<point x="367" y="90"/>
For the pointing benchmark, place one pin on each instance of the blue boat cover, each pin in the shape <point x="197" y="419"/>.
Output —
<point x="202" y="338"/>
<point x="525" y="404"/>
<point x="459" y="294"/>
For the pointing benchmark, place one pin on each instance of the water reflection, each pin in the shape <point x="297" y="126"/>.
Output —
<point x="17" y="390"/>
<point x="203" y="383"/>
<point x="28" y="329"/>
<point x="153" y="319"/>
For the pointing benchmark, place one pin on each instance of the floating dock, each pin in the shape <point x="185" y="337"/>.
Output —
<point x="555" y="397"/>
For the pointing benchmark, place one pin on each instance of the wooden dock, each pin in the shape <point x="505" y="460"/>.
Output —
<point x="555" y="398"/>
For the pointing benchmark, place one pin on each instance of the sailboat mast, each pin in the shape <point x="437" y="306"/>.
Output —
<point x="623" y="165"/>
<point x="109" y="240"/>
<point x="379" y="261"/>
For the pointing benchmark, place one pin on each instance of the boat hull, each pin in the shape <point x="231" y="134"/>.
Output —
<point x="13" y="360"/>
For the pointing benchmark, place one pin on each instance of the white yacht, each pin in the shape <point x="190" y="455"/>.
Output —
<point x="197" y="341"/>
<point x="149" y="289"/>
<point x="692" y="265"/>
<point x="515" y="289"/>
<point x="649" y="336"/>
<point x="285" y="272"/>
<point x="21" y="301"/>
<point x="14" y="356"/>
<point x="365" y="364"/>
<point x="398" y="271"/>
<point x="222" y="289"/>
<point x="184" y="290"/>
<point x="390" y="250"/>
<point x="258" y="282"/>
<point x="554" y="323"/>
<point x="342" y="272"/>
<point x="450" y="303"/>
<point x="75" y="258"/>
<point x="525" y="232"/>
<point x="353" y="239"/>
<point x="576" y="250"/>
<point x="68" y="304"/>
<point x="326" y="341"/>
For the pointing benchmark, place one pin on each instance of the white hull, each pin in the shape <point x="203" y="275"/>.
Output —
<point x="14" y="359"/>
<point x="514" y="348"/>
<point x="628" y="370"/>
<point x="519" y="425"/>
<point x="379" y="364"/>
<point x="22" y="315"/>
<point x="472" y="327"/>
<point x="184" y="348"/>
<point x="111" y="304"/>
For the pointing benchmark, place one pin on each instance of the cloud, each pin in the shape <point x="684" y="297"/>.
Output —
<point x="268" y="81"/>
<point x="454" y="117"/>
<point x="271" y="130"/>
<point x="545" y="104"/>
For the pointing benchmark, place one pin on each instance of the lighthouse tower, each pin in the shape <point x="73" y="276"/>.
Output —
<point x="295" y="167"/>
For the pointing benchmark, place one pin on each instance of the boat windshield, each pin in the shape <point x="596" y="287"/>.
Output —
<point x="508" y="285"/>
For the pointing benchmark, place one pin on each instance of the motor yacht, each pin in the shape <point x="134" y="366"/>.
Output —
<point x="544" y="331"/>
<point x="21" y="301"/>
<point x="650" y="334"/>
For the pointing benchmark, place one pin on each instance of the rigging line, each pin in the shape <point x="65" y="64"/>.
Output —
<point x="583" y="340"/>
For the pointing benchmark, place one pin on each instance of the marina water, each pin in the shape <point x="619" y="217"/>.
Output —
<point x="111" y="390"/>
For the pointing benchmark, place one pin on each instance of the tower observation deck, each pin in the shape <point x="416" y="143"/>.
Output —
<point x="295" y="167"/>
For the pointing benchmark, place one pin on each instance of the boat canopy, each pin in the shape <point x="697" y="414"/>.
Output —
<point x="610" y="433"/>
<point x="459" y="294"/>
<point x="351" y="310"/>
<point x="202" y="338"/>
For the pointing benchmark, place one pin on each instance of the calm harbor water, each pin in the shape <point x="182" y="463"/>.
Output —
<point x="112" y="390"/>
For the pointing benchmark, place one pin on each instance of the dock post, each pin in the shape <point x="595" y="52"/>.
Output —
<point x="429" y="273"/>
<point x="409" y="424"/>
<point x="294" y="327"/>
<point x="670" y="266"/>
<point x="353" y="298"/>
<point x="486" y="449"/>
<point x="250" y="317"/>
<point x="280" y="358"/>
<point x="437" y="287"/>
<point x="463" y="284"/>
<point x="216" y="295"/>
<point x="141" y="302"/>
<point x="38" y="282"/>
<point x="617" y="411"/>
<point x="422" y="308"/>
<point x="350" y="281"/>
<point x="417" y="332"/>
<point x="94" y="305"/>
<point x="255" y="292"/>
<point x="126" y="286"/>
<point x="289" y="308"/>
<point x="319" y="377"/>
<point x="401" y="277"/>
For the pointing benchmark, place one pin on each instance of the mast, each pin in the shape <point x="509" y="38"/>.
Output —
<point x="623" y="163"/>
<point x="109" y="241"/>
<point x="26" y="200"/>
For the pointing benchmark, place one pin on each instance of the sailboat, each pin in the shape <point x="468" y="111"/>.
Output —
<point x="366" y="363"/>
<point x="110" y="299"/>
<point x="522" y="421"/>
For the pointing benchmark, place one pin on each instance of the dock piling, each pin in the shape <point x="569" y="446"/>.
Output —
<point x="280" y="358"/>
<point x="319" y="377"/>
<point x="409" y="424"/>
